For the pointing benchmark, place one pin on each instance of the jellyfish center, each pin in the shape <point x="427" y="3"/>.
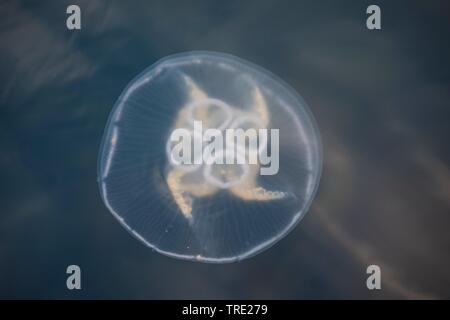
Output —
<point x="226" y="163"/>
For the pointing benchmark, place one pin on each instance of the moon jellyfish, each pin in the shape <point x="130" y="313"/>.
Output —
<point x="208" y="157"/>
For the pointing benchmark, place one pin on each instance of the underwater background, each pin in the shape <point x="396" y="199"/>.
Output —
<point x="380" y="99"/>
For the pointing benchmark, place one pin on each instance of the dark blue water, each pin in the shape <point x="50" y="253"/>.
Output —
<point x="380" y="98"/>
